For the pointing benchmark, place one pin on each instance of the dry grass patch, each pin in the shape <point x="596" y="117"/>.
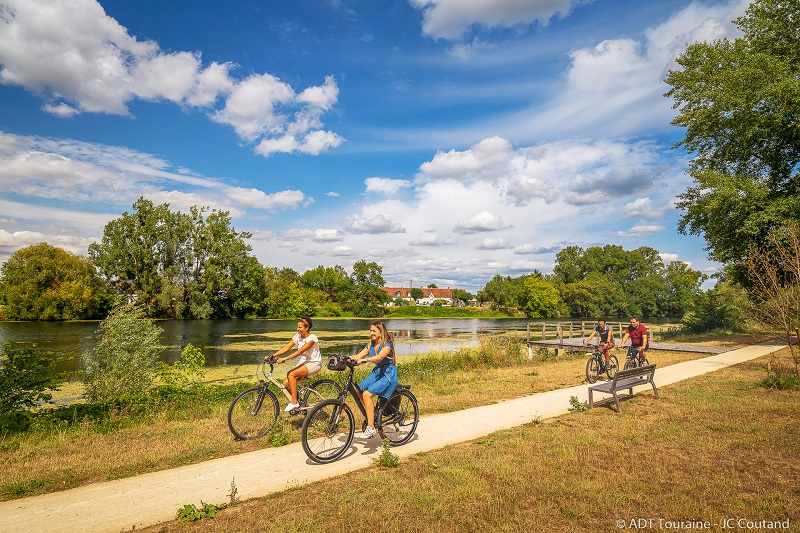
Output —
<point x="713" y="447"/>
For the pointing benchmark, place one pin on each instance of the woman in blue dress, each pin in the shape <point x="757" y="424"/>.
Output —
<point x="383" y="379"/>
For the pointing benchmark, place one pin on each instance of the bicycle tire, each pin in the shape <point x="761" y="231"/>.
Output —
<point x="611" y="372"/>
<point x="328" y="431"/>
<point x="323" y="389"/>
<point x="398" y="418"/>
<point x="592" y="369"/>
<point x="253" y="413"/>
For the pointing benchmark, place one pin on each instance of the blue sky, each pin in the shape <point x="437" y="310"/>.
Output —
<point x="447" y="140"/>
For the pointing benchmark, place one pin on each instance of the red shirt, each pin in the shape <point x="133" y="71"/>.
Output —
<point x="636" y="334"/>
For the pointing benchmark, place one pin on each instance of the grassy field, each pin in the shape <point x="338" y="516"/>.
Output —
<point x="718" y="448"/>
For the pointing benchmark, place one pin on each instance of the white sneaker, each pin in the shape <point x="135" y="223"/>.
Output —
<point x="368" y="433"/>
<point x="291" y="407"/>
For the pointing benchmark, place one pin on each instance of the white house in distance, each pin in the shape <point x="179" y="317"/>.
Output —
<point x="429" y="295"/>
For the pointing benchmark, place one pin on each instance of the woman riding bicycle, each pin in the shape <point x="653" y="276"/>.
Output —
<point x="383" y="379"/>
<point x="310" y="358"/>
<point x="606" y="340"/>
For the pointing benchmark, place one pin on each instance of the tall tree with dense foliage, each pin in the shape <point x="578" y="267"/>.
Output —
<point x="369" y="298"/>
<point x="44" y="282"/>
<point x="178" y="265"/>
<point x="739" y="101"/>
<point x="542" y="299"/>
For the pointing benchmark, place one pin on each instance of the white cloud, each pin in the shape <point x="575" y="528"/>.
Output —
<point x="431" y="238"/>
<point x="450" y="19"/>
<point x="80" y="60"/>
<point x="486" y="158"/>
<point x="328" y="235"/>
<point x="385" y="185"/>
<point x="482" y="222"/>
<point x="641" y="229"/>
<point x="381" y="223"/>
<point x="530" y="249"/>
<point x="669" y="258"/>
<point x="493" y="243"/>
<point x="342" y="251"/>
<point x="643" y="208"/>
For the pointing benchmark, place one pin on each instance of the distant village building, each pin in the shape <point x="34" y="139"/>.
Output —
<point x="429" y="295"/>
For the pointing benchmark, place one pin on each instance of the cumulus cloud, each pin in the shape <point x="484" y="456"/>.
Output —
<point x="343" y="251"/>
<point x="487" y="158"/>
<point x="385" y="185"/>
<point x="644" y="208"/>
<point x="450" y="19"/>
<point x="641" y="229"/>
<point x="482" y="222"/>
<point x="530" y="249"/>
<point x="79" y="60"/>
<point x="328" y="235"/>
<point x="431" y="238"/>
<point x="381" y="223"/>
<point x="493" y="243"/>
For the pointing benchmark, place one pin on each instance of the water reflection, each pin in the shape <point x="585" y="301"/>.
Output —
<point x="229" y="342"/>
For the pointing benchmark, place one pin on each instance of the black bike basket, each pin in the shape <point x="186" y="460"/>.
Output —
<point x="337" y="362"/>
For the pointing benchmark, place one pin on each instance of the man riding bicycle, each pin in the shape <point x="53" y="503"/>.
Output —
<point x="606" y="342"/>
<point x="638" y="335"/>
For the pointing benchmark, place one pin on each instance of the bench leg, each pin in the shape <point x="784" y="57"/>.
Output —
<point x="590" y="399"/>
<point x="655" y="390"/>
<point x="616" y="401"/>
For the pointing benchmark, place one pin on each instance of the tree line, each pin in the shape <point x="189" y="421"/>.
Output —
<point x="191" y="265"/>
<point x="195" y="265"/>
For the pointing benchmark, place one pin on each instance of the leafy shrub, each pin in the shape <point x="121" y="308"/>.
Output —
<point x="386" y="457"/>
<point x="123" y="363"/>
<point x="188" y="368"/>
<point x="25" y="375"/>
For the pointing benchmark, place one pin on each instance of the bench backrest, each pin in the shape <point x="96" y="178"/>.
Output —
<point x="645" y="372"/>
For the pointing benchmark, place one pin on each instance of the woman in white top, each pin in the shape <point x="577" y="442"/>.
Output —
<point x="310" y="358"/>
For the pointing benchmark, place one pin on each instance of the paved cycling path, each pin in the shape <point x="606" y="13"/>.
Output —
<point x="149" y="499"/>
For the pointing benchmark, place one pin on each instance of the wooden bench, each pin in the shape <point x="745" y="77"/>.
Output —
<point x="626" y="379"/>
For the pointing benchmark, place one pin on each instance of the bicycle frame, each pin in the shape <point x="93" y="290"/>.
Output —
<point x="280" y="386"/>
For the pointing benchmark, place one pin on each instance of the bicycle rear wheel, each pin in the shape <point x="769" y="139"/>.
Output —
<point x="610" y="372"/>
<point x="253" y="413"/>
<point x="328" y="431"/>
<point x="323" y="389"/>
<point x="592" y="369"/>
<point x="398" y="417"/>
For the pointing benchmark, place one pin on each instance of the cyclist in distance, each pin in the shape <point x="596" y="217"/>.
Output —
<point x="383" y="379"/>
<point x="310" y="361"/>
<point x="639" y="342"/>
<point x="606" y="340"/>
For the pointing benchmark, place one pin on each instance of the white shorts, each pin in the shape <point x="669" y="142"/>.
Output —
<point x="313" y="367"/>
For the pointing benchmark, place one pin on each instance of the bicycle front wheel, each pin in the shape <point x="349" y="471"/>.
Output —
<point x="592" y="369"/>
<point x="253" y="413"/>
<point x="328" y="431"/>
<point x="323" y="389"/>
<point x="398" y="417"/>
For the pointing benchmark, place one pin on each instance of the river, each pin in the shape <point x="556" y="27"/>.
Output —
<point x="233" y="342"/>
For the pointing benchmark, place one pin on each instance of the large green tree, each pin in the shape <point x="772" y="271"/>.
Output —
<point x="44" y="282"/>
<point x="739" y="102"/>
<point x="368" y="297"/>
<point x="179" y="265"/>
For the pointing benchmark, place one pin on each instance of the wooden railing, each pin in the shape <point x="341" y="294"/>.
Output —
<point x="558" y="331"/>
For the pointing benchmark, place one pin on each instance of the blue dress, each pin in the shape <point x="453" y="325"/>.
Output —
<point x="383" y="379"/>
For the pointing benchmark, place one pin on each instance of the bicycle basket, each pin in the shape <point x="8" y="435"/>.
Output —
<point x="337" y="362"/>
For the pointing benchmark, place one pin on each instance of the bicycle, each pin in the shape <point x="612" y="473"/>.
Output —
<point x="329" y="426"/>
<point x="636" y="359"/>
<point x="596" y="365"/>
<point x="254" y="411"/>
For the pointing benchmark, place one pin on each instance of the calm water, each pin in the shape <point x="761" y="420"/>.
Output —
<point x="231" y="342"/>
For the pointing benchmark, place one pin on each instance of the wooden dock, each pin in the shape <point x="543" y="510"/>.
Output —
<point x="570" y="336"/>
